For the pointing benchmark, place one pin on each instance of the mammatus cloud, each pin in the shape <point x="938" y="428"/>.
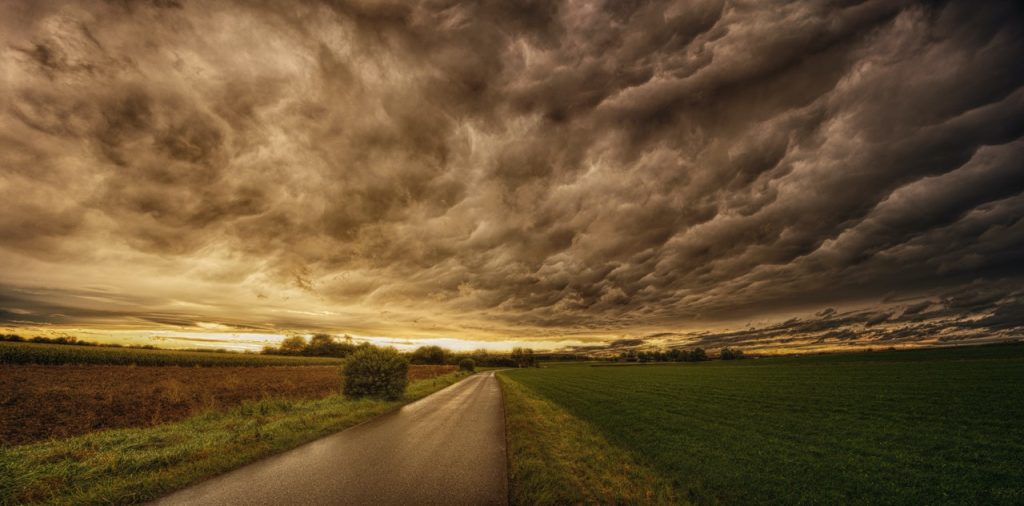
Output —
<point x="514" y="168"/>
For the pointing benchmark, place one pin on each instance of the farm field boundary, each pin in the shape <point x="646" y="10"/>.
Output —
<point x="58" y="354"/>
<point x="127" y="466"/>
<point x="39" y="402"/>
<point x="556" y="458"/>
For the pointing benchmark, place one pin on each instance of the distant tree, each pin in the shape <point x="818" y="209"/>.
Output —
<point x="523" y="357"/>
<point x="324" y="345"/>
<point x="698" y="355"/>
<point x="347" y="345"/>
<point x="731" y="354"/>
<point x="485" y="358"/>
<point x="467" y="364"/>
<point x="481" y="357"/>
<point x="429" y="355"/>
<point x="293" y="345"/>
<point x="375" y="372"/>
<point x="320" y="344"/>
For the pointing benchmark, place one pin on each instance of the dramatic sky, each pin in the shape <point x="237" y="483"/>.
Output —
<point x="758" y="173"/>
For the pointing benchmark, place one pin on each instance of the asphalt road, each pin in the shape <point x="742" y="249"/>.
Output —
<point x="448" y="448"/>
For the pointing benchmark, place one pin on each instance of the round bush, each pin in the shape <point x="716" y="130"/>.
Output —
<point x="375" y="372"/>
<point x="467" y="364"/>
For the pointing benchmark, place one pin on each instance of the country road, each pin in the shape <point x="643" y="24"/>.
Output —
<point x="448" y="448"/>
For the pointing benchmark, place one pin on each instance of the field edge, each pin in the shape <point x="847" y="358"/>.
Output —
<point x="127" y="466"/>
<point x="556" y="458"/>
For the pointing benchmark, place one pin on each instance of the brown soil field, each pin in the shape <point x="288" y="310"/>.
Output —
<point x="39" y="402"/>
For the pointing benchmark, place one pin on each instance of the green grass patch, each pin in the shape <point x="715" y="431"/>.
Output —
<point x="56" y="354"/>
<point x="556" y="458"/>
<point x="133" y="465"/>
<point x="907" y="427"/>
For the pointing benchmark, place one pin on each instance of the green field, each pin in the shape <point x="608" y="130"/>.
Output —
<point x="940" y="426"/>
<point x="56" y="354"/>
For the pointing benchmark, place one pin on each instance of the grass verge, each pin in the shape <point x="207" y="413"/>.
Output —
<point x="556" y="458"/>
<point x="133" y="465"/>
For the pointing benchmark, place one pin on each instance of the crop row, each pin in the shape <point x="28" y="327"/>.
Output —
<point x="55" y="354"/>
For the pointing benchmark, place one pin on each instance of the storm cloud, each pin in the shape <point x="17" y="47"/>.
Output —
<point x="505" y="169"/>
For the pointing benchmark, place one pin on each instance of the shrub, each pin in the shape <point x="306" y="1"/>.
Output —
<point x="375" y="372"/>
<point x="467" y="364"/>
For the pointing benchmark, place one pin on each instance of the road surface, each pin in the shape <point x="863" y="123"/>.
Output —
<point x="448" y="448"/>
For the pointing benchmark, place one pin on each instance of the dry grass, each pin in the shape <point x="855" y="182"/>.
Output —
<point x="57" y="354"/>
<point x="39" y="402"/>
<point x="418" y="372"/>
<point x="134" y="465"/>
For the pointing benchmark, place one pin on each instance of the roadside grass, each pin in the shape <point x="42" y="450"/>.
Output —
<point x="41" y="402"/>
<point x="133" y="465"/>
<point x="556" y="458"/>
<point x="57" y="354"/>
<point x="907" y="427"/>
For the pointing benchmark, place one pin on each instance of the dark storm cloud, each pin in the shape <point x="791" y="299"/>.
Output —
<point x="989" y="311"/>
<point x="520" y="167"/>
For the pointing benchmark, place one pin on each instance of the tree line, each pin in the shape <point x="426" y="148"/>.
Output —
<point x="325" y="345"/>
<point x="15" y="338"/>
<point x="678" y="355"/>
<point x="319" y="345"/>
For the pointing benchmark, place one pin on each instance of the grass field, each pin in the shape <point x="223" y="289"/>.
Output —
<point x="910" y="427"/>
<point x="126" y="466"/>
<point x="562" y="460"/>
<point x="56" y="354"/>
<point x="40" y="402"/>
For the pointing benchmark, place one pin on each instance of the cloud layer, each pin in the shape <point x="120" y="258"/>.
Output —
<point x="509" y="168"/>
